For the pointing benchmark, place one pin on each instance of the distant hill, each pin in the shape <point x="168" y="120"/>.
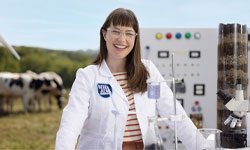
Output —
<point x="88" y="51"/>
<point x="36" y="59"/>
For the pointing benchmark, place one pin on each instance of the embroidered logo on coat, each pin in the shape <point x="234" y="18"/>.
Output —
<point x="104" y="90"/>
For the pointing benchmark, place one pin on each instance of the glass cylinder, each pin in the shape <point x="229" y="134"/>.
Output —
<point x="153" y="89"/>
<point x="208" y="139"/>
<point x="232" y="67"/>
<point x="153" y="139"/>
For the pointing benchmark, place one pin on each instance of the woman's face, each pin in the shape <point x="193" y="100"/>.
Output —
<point x="119" y="41"/>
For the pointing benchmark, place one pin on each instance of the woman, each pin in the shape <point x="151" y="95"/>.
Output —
<point x="108" y="104"/>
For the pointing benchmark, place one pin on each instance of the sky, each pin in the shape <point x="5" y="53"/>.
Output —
<point x="75" y="24"/>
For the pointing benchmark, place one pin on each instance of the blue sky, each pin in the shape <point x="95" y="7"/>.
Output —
<point x="75" y="24"/>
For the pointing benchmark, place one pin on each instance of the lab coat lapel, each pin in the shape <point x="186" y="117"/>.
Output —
<point x="104" y="70"/>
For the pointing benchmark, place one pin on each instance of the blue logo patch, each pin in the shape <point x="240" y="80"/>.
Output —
<point x="104" y="90"/>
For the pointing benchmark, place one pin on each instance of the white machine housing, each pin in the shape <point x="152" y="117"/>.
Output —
<point x="195" y="61"/>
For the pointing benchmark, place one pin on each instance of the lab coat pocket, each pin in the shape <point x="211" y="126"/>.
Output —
<point x="102" y="105"/>
<point x="91" y="141"/>
<point x="108" y="128"/>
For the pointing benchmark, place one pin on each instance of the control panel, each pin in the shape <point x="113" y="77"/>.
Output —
<point x="195" y="62"/>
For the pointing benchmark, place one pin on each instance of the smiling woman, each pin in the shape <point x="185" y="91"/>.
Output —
<point x="115" y="50"/>
<point x="108" y="104"/>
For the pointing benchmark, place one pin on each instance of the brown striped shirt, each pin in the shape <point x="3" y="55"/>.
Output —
<point x="132" y="129"/>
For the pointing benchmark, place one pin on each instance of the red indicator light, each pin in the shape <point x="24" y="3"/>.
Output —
<point x="169" y="36"/>
<point x="196" y="102"/>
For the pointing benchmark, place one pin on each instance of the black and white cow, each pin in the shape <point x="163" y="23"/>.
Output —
<point x="57" y="91"/>
<point x="19" y="85"/>
<point x="27" y="85"/>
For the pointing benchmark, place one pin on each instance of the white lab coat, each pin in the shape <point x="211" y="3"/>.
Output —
<point x="101" y="121"/>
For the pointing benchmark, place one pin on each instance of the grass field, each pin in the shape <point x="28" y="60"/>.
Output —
<point x="33" y="131"/>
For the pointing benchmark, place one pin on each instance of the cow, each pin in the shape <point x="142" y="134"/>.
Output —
<point x="8" y="100"/>
<point x="28" y="86"/>
<point x="57" y="91"/>
<point x="24" y="85"/>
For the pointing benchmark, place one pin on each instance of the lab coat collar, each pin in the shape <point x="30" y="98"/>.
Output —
<point x="104" y="69"/>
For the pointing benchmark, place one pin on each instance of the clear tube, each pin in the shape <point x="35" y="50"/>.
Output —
<point x="232" y="66"/>
<point x="153" y="139"/>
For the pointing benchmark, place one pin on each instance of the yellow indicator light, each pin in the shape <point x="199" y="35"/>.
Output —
<point x="158" y="36"/>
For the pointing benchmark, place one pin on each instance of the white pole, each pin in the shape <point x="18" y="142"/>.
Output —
<point x="174" y="95"/>
<point x="12" y="50"/>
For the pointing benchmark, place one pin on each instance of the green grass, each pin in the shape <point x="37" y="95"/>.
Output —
<point x="33" y="131"/>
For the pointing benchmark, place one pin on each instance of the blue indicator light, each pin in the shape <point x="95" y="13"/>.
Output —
<point x="178" y="35"/>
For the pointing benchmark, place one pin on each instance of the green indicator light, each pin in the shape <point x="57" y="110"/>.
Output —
<point x="188" y="35"/>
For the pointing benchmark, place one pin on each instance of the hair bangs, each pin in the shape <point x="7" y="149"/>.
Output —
<point x="124" y="19"/>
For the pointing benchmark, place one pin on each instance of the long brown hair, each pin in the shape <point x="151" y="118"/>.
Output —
<point x="136" y="72"/>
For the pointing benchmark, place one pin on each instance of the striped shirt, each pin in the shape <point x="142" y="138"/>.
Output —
<point x="132" y="129"/>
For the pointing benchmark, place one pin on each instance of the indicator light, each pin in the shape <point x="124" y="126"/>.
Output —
<point x="188" y="35"/>
<point x="178" y="35"/>
<point x="199" y="108"/>
<point x="169" y="36"/>
<point x="193" y="109"/>
<point x="197" y="35"/>
<point x="158" y="36"/>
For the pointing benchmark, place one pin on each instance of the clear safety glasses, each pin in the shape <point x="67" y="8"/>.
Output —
<point x="116" y="33"/>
